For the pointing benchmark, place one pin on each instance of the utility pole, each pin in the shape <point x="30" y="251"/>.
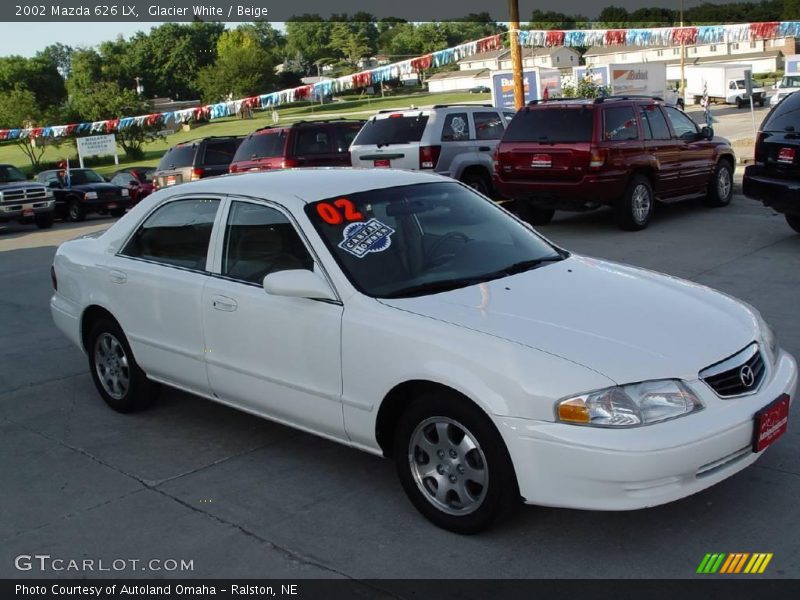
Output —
<point x="683" y="60"/>
<point x="516" y="54"/>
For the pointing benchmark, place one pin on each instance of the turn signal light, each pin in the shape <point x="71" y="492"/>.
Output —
<point x="288" y="163"/>
<point x="597" y="158"/>
<point x="197" y="174"/>
<point x="573" y="411"/>
<point x="429" y="156"/>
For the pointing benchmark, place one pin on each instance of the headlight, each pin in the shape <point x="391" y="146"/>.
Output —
<point x="48" y="193"/>
<point x="124" y="193"/>
<point x="769" y="339"/>
<point x="629" y="405"/>
<point x="90" y="196"/>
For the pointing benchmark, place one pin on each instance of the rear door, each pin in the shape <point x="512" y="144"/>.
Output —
<point x="666" y="151"/>
<point x="390" y="140"/>
<point x="550" y="143"/>
<point x="457" y="141"/>
<point x="621" y="139"/>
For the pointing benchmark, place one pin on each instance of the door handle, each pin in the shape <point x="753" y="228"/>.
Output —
<point x="224" y="303"/>
<point x="485" y="148"/>
<point x="118" y="276"/>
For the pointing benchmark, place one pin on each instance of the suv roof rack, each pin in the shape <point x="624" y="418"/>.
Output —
<point x="394" y="110"/>
<point x="462" y="104"/>
<point x="208" y="137"/>
<point x="304" y="122"/>
<point x="543" y="100"/>
<point x="628" y="97"/>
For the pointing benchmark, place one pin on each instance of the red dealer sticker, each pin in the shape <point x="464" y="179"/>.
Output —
<point x="541" y="161"/>
<point x="771" y="423"/>
<point x="786" y="156"/>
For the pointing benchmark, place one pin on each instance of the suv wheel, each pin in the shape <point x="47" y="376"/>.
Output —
<point x="794" y="222"/>
<point x="635" y="209"/>
<point x="533" y="214"/>
<point x="453" y="464"/>
<point x="720" y="189"/>
<point x="75" y="211"/>
<point x="478" y="182"/>
<point x="44" y="220"/>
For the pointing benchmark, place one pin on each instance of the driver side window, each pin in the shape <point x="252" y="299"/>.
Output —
<point x="260" y="240"/>
<point x="684" y="127"/>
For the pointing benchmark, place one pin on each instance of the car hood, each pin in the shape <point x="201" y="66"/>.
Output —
<point x="8" y="186"/>
<point x="626" y="323"/>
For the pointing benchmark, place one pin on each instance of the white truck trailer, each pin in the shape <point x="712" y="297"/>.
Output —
<point x="722" y="83"/>
<point x="639" y="79"/>
<point x="790" y="82"/>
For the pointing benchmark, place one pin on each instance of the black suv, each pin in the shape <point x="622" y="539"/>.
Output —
<point x="79" y="192"/>
<point x="24" y="201"/>
<point x="774" y="179"/>
<point x="195" y="160"/>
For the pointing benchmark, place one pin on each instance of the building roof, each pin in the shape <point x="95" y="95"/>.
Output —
<point x="727" y="58"/>
<point x="603" y="50"/>
<point x="505" y="54"/>
<point x="456" y="74"/>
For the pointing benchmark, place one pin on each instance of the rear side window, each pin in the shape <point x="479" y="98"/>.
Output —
<point x="312" y="140"/>
<point x="176" y="234"/>
<point x="344" y="136"/>
<point x="551" y="124"/>
<point x="654" y="123"/>
<point x="392" y="130"/>
<point x="620" y="124"/>
<point x="177" y="157"/>
<point x="456" y="128"/>
<point x="488" y="126"/>
<point x="262" y="145"/>
<point x="785" y="114"/>
<point x="219" y="152"/>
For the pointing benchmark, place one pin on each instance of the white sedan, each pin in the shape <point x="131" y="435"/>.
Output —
<point x="406" y="315"/>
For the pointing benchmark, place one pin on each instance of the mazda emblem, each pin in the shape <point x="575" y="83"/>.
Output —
<point x="746" y="376"/>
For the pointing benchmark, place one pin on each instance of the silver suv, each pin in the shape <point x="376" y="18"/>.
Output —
<point x="456" y="140"/>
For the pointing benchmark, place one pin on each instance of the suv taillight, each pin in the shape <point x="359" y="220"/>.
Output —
<point x="429" y="156"/>
<point x="496" y="160"/>
<point x="597" y="158"/>
<point x="197" y="173"/>
<point x="53" y="277"/>
<point x="288" y="163"/>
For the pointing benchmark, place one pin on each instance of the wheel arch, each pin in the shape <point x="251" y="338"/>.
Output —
<point x="90" y="316"/>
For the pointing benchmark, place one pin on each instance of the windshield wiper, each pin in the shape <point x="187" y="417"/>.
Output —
<point x="527" y="265"/>
<point x="432" y="287"/>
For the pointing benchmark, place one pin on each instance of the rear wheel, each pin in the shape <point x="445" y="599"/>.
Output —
<point x="453" y="464"/>
<point x="117" y="376"/>
<point x="635" y="209"/>
<point x="720" y="189"/>
<point x="44" y="220"/>
<point x="478" y="182"/>
<point x="794" y="222"/>
<point x="75" y="211"/>
<point x="533" y="214"/>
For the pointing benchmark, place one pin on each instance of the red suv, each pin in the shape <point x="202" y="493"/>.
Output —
<point x="624" y="152"/>
<point x="301" y="144"/>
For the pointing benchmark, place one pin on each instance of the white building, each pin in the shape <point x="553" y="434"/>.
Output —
<point x="766" y="56"/>
<point x="453" y="81"/>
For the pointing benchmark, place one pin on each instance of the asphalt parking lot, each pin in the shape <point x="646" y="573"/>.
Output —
<point x="242" y="497"/>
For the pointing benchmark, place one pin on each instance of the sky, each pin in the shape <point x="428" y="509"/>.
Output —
<point x="27" y="39"/>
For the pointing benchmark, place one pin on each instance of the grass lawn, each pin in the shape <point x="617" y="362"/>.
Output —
<point x="356" y="108"/>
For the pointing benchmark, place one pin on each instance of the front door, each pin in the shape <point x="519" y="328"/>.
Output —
<point x="276" y="356"/>
<point x="666" y="150"/>
<point x="697" y="152"/>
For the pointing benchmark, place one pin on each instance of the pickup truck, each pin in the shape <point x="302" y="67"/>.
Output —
<point x="24" y="201"/>
<point x="79" y="192"/>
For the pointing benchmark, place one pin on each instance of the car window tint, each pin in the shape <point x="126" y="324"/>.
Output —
<point x="312" y="140"/>
<point x="683" y="126"/>
<point x="260" y="240"/>
<point x="176" y="234"/>
<point x="551" y="124"/>
<point x="392" y="130"/>
<point x="488" y="126"/>
<point x="654" y="123"/>
<point x="345" y="136"/>
<point x="785" y="114"/>
<point x="219" y="152"/>
<point x="456" y="127"/>
<point x="262" y="145"/>
<point x="177" y="157"/>
<point x="620" y="123"/>
<point x="10" y="174"/>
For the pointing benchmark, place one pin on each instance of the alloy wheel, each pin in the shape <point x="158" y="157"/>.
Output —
<point x="111" y="365"/>
<point x="641" y="204"/>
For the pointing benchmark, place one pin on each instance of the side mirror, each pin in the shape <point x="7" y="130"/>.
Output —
<point x="707" y="133"/>
<point x="298" y="283"/>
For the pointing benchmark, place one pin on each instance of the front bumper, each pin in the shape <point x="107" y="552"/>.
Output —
<point x="605" y="469"/>
<point x="21" y="210"/>
<point x="783" y="195"/>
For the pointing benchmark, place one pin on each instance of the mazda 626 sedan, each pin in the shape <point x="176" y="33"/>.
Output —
<point x="407" y="315"/>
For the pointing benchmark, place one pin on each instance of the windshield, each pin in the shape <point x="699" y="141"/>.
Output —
<point x="146" y="174"/>
<point x="792" y="81"/>
<point x="80" y="176"/>
<point x="425" y="238"/>
<point x="9" y="174"/>
<point x="394" y="129"/>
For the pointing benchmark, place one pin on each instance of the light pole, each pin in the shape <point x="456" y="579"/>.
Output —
<point x="516" y="54"/>
<point x="683" y="59"/>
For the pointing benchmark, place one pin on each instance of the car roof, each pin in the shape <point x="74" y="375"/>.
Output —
<point x="297" y="187"/>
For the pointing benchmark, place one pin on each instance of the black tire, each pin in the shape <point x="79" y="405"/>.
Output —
<point x="719" y="193"/>
<point x="533" y="214"/>
<point x="478" y="182"/>
<point x="793" y="221"/>
<point x="488" y="460"/>
<point x="75" y="211"/>
<point x="635" y="209"/>
<point x="44" y="220"/>
<point x="761" y="103"/>
<point x="117" y="212"/>
<point x="107" y="338"/>
<point x="739" y="102"/>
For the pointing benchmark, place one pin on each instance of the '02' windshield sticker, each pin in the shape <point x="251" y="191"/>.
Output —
<point x="364" y="237"/>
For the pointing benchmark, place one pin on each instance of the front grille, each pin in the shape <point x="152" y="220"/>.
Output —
<point x="25" y="194"/>
<point x="109" y="195"/>
<point x="740" y="374"/>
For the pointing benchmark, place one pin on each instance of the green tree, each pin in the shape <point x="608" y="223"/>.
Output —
<point x="38" y="75"/>
<point x="19" y="107"/>
<point x="791" y="10"/>
<point x="308" y="39"/>
<point x="59" y="55"/>
<point x="351" y="42"/>
<point x="555" y="20"/>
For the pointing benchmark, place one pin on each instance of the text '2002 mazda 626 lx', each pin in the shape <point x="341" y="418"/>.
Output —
<point x="409" y="316"/>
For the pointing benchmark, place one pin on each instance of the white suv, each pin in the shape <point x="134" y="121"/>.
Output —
<point x="456" y="140"/>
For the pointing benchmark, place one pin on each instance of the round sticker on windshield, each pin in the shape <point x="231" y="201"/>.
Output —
<point x="367" y="236"/>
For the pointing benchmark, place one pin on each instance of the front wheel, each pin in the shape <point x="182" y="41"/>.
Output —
<point x="453" y="464"/>
<point x="720" y="189"/>
<point x="117" y="376"/>
<point x="478" y="182"/>
<point x="75" y="211"/>
<point x="794" y="222"/>
<point x="533" y="214"/>
<point x="635" y="209"/>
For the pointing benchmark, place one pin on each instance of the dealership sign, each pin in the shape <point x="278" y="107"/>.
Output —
<point x="98" y="145"/>
<point x="535" y="83"/>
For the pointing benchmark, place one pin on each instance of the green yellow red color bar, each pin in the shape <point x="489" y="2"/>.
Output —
<point x="737" y="562"/>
